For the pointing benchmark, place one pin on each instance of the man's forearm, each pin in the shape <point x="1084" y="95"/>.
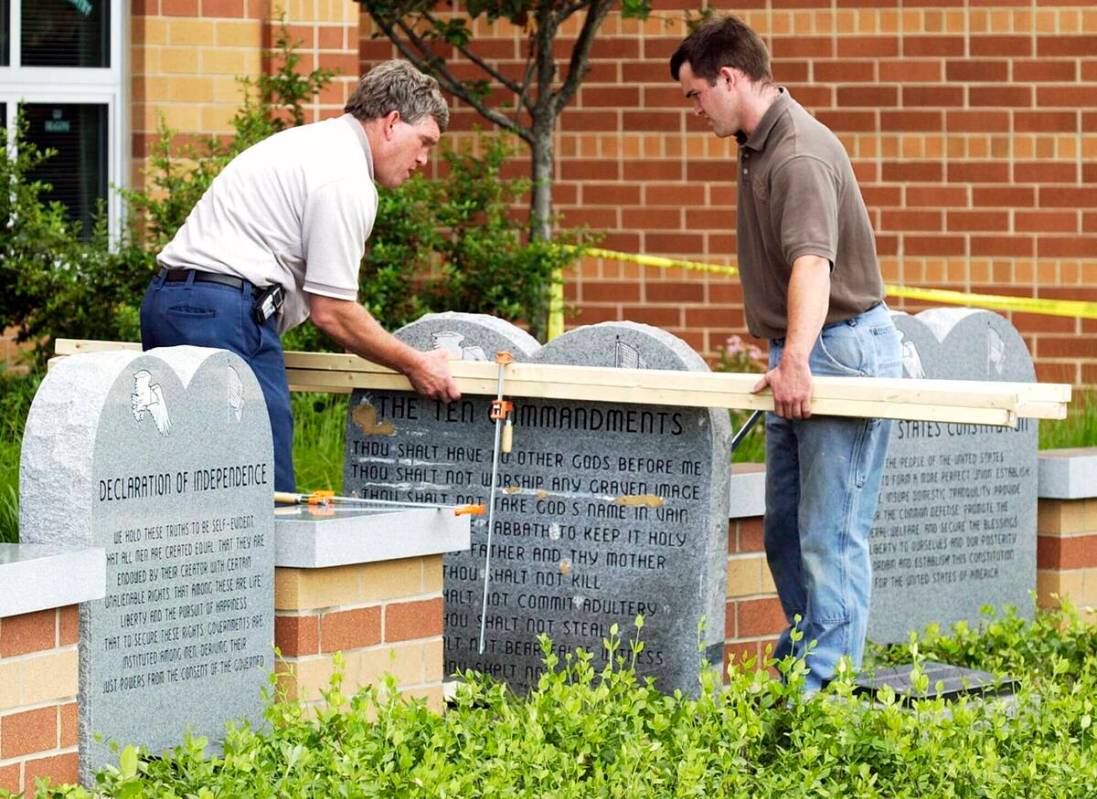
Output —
<point x="355" y="329"/>
<point x="808" y="302"/>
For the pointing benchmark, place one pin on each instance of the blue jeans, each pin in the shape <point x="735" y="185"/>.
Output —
<point x="212" y="315"/>
<point x="822" y="486"/>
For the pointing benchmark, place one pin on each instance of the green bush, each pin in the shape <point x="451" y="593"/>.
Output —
<point x="16" y="393"/>
<point x="589" y="731"/>
<point x="59" y="280"/>
<point x="458" y="242"/>
<point x="1049" y="647"/>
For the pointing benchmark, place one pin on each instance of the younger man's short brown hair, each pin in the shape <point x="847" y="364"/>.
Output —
<point x="724" y="41"/>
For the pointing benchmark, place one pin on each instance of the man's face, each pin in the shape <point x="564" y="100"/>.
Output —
<point x="717" y="103"/>
<point x="406" y="149"/>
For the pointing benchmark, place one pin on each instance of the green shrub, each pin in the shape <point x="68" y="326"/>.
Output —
<point x="319" y="428"/>
<point x="457" y="241"/>
<point x="599" y="731"/>
<point x="1048" y="647"/>
<point x="1079" y="429"/>
<point x="16" y="394"/>
<point x="58" y="281"/>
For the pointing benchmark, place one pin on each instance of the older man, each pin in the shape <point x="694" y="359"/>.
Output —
<point x="279" y="235"/>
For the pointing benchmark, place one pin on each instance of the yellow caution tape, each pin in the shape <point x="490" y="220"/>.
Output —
<point x="999" y="302"/>
<point x="659" y="262"/>
<point x="556" y="307"/>
<point x="1072" y="308"/>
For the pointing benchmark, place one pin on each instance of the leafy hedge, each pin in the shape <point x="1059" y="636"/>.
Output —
<point x="587" y="732"/>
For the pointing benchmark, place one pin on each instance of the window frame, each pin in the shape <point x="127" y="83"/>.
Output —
<point x="83" y="85"/>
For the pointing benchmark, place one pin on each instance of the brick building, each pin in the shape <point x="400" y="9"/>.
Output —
<point x="969" y="123"/>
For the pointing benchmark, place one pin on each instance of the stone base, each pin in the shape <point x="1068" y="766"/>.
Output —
<point x="945" y="682"/>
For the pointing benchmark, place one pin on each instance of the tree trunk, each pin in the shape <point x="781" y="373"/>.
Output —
<point x="541" y="168"/>
<point x="540" y="225"/>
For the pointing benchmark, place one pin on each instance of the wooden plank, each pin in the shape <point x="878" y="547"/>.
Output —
<point x="888" y="389"/>
<point x="961" y="401"/>
<point x="952" y="392"/>
<point x="715" y="390"/>
<point x="71" y="346"/>
<point x="332" y="390"/>
<point x="310" y="380"/>
<point x="1041" y="410"/>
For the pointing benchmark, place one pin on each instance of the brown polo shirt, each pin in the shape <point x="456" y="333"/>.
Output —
<point x="798" y="196"/>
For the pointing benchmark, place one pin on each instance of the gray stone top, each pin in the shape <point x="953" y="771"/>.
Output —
<point x="955" y="528"/>
<point x="306" y="540"/>
<point x="42" y="576"/>
<point x="1068" y="473"/>
<point x="748" y="490"/>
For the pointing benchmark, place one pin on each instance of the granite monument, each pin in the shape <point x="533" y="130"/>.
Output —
<point x="956" y="524"/>
<point x="604" y="512"/>
<point x="164" y="460"/>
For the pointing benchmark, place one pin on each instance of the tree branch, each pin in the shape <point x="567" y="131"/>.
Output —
<point x="471" y="56"/>
<point x="567" y="11"/>
<point x="426" y="61"/>
<point x="543" y="37"/>
<point x="527" y="79"/>
<point x="580" y="55"/>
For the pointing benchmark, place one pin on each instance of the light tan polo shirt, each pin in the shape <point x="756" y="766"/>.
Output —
<point x="797" y="195"/>
<point x="294" y="209"/>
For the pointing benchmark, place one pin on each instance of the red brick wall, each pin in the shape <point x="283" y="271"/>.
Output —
<point x="384" y="617"/>
<point x="38" y="687"/>
<point x="752" y="613"/>
<point x="1066" y="554"/>
<point x="969" y="125"/>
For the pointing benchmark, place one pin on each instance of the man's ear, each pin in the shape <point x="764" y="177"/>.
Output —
<point x="728" y="75"/>
<point x="391" y="118"/>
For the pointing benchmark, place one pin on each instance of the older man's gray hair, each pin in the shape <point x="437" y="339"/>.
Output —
<point x="398" y="86"/>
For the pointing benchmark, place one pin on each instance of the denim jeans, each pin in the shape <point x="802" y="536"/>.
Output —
<point x="822" y="486"/>
<point x="212" y="315"/>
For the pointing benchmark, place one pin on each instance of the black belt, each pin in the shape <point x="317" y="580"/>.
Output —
<point x="180" y="275"/>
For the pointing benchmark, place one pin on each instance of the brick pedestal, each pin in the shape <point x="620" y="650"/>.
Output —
<point x="40" y="591"/>
<point x="385" y="617"/>
<point x="752" y="617"/>
<point x="1066" y="526"/>
<point x="38" y="686"/>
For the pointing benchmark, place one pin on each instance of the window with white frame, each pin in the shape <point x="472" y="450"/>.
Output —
<point x="63" y="62"/>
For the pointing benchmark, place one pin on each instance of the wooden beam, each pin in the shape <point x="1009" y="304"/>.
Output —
<point x="960" y="401"/>
<point x="836" y="387"/>
<point x="71" y="346"/>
